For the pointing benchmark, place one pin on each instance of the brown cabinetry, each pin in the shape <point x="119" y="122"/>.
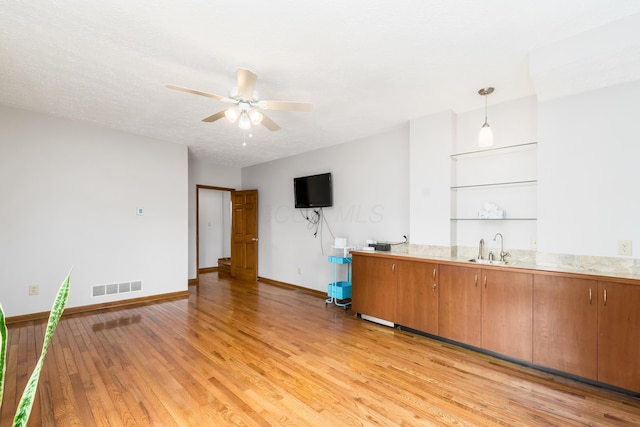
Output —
<point x="417" y="296"/>
<point x="373" y="289"/>
<point x="507" y="316"/>
<point x="487" y="308"/>
<point x="460" y="315"/>
<point x="565" y="317"/>
<point x="568" y="322"/>
<point x="619" y="335"/>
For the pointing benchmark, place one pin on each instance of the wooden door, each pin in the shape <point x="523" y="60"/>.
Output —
<point x="374" y="287"/>
<point x="507" y="313"/>
<point x="244" y="235"/>
<point x="619" y="335"/>
<point x="417" y="296"/>
<point x="460" y="305"/>
<point x="565" y="324"/>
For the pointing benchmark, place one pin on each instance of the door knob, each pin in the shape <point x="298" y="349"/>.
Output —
<point x="255" y="239"/>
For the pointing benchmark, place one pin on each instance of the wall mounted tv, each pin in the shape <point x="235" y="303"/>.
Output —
<point x="313" y="191"/>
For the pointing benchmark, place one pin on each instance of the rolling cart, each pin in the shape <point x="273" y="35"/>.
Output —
<point x="339" y="289"/>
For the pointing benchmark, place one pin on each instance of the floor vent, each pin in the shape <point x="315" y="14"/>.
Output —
<point x="116" y="288"/>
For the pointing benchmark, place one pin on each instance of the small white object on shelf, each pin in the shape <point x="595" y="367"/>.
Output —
<point x="491" y="211"/>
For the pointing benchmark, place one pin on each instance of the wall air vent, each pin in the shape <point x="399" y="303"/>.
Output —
<point x="116" y="288"/>
<point x="98" y="291"/>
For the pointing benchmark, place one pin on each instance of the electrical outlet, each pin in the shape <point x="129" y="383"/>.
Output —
<point x="624" y="247"/>
<point x="534" y="243"/>
<point x="34" y="290"/>
<point x="299" y="270"/>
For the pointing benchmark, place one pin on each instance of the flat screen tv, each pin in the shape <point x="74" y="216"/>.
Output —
<point x="313" y="191"/>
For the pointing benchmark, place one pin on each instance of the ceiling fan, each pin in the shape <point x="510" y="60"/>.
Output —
<point x="248" y="107"/>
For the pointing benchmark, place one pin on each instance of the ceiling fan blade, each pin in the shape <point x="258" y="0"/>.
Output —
<point x="246" y="83"/>
<point x="214" y="117"/>
<point x="269" y="124"/>
<point x="286" y="106"/>
<point x="198" y="92"/>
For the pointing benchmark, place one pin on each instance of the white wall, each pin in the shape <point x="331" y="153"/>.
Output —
<point x="215" y="226"/>
<point x="431" y="140"/>
<point x="589" y="172"/>
<point x="370" y="196"/>
<point x="68" y="198"/>
<point x="203" y="172"/>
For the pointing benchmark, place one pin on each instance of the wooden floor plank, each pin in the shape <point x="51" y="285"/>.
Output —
<point x="254" y="354"/>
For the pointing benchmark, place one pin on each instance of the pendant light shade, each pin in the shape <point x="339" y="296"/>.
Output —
<point x="485" y="138"/>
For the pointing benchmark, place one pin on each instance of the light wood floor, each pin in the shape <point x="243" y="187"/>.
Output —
<point x="254" y="354"/>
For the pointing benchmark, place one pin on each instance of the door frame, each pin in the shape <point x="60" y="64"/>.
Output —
<point x="204" y="187"/>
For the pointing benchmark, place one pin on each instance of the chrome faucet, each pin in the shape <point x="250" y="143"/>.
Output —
<point x="502" y="252"/>
<point x="480" y="249"/>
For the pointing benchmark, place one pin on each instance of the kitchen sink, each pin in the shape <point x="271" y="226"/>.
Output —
<point x="490" y="262"/>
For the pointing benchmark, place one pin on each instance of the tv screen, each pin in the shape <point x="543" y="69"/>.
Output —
<point x="313" y="191"/>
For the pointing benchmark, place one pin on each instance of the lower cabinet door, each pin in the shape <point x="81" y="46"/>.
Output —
<point x="417" y="296"/>
<point x="619" y="335"/>
<point x="507" y="313"/>
<point x="373" y="288"/>
<point x="460" y="310"/>
<point x="565" y="324"/>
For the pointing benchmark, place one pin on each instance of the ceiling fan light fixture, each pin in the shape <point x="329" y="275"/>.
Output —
<point x="244" y="122"/>
<point x="246" y="103"/>
<point x="485" y="138"/>
<point x="256" y="117"/>
<point x="231" y="114"/>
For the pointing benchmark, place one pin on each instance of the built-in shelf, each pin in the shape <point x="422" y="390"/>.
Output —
<point x="504" y="177"/>
<point x="497" y="150"/>
<point x="494" y="219"/>
<point x="496" y="184"/>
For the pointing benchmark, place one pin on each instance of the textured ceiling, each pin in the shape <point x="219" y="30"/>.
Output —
<point x="368" y="66"/>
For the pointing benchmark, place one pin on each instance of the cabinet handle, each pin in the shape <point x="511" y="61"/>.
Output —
<point x="485" y="281"/>
<point x="589" y="295"/>
<point x="434" y="274"/>
<point x="605" y="297"/>
<point x="434" y="287"/>
<point x="475" y="280"/>
<point x="393" y="267"/>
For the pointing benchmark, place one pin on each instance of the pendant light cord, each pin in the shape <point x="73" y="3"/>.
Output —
<point x="486" y="106"/>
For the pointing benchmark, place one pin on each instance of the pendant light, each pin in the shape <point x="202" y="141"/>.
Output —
<point x="485" y="139"/>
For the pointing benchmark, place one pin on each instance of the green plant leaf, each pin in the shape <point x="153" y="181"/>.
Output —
<point x="3" y="352"/>
<point x="26" y="401"/>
